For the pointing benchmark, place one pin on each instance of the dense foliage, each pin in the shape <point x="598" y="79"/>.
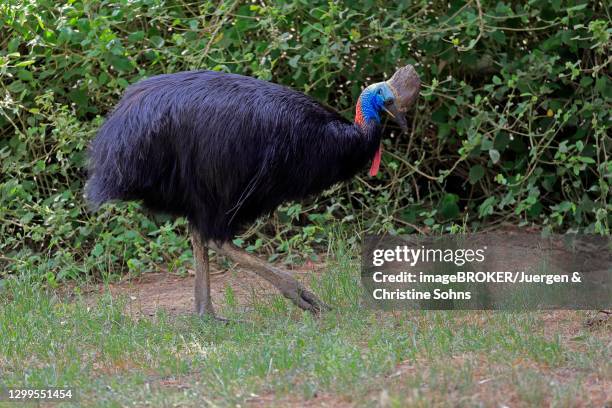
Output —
<point x="511" y="126"/>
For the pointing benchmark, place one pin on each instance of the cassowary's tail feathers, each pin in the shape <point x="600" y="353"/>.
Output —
<point x="114" y="163"/>
<point x="99" y="191"/>
<point x="132" y="156"/>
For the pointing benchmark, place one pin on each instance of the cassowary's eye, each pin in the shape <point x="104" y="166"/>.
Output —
<point x="389" y="102"/>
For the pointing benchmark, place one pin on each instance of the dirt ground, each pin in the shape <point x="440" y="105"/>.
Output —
<point x="172" y="293"/>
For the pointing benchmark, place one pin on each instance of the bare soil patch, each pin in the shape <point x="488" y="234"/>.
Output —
<point x="150" y="292"/>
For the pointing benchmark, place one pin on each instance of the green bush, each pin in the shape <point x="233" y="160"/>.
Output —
<point x="511" y="127"/>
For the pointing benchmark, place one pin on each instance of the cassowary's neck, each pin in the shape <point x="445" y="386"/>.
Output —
<point x="368" y="119"/>
<point x="366" y="110"/>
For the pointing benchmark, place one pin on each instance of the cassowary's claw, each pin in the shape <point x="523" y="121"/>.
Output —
<point x="317" y="305"/>
<point x="602" y="317"/>
<point x="305" y="299"/>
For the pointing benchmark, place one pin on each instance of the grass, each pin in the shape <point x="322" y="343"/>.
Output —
<point x="283" y="356"/>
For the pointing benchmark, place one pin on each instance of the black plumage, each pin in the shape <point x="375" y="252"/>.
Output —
<point x="222" y="149"/>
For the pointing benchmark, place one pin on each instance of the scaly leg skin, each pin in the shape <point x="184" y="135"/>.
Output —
<point x="282" y="280"/>
<point x="203" y="301"/>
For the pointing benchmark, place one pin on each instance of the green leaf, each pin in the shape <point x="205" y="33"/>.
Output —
<point x="587" y="160"/>
<point x="78" y="96"/>
<point x="157" y="41"/>
<point x="586" y="81"/>
<point x="25" y="75"/>
<point x="486" y="208"/>
<point x="136" y="36"/>
<point x="494" y="155"/>
<point x="120" y="63"/>
<point x="444" y="129"/>
<point x="97" y="250"/>
<point x="440" y="115"/>
<point x="16" y="86"/>
<point x="477" y="172"/>
<point x="448" y="207"/>
<point x="501" y="141"/>
<point x="293" y="61"/>
<point x="25" y="63"/>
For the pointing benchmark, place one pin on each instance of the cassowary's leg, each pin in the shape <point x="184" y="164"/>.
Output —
<point x="203" y="302"/>
<point x="282" y="280"/>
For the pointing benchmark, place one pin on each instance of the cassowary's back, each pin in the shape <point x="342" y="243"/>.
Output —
<point x="220" y="149"/>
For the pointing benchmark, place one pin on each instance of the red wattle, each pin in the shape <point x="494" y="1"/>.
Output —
<point x="376" y="162"/>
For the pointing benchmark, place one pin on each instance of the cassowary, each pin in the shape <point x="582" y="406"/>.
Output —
<point x="223" y="149"/>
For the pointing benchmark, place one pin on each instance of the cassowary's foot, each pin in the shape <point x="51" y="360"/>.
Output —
<point x="602" y="317"/>
<point x="282" y="280"/>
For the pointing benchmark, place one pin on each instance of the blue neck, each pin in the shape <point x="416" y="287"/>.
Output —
<point x="370" y="106"/>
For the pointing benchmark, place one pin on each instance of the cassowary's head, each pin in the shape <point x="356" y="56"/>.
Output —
<point x="394" y="96"/>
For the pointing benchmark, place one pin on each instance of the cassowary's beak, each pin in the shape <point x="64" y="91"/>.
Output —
<point x="405" y="84"/>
